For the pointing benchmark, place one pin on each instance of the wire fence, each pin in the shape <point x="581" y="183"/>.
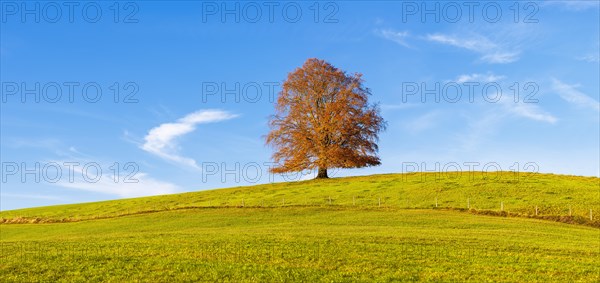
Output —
<point x="574" y="213"/>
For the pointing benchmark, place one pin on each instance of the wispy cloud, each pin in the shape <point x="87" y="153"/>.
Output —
<point x="570" y="94"/>
<point x="162" y="140"/>
<point x="88" y="173"/>
<point x="137" y="185"/>
<point x="473" y="44"/>
<point x="530" y="111"/>
<point x="490" y="51"/>
<point x="521" y="109"/>
<point x="574" y="5"/>
<point x="423" y="122"/>
<point x="484" y="78"/>
<point x="500" y="57"/>
<point x="399" y="37"/>
<point x="479" y="128"/>
<point x="592" y="58"/>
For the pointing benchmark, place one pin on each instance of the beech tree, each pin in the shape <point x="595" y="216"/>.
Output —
<point x="323" y="120"/>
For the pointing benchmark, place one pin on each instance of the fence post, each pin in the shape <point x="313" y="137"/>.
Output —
<point x="591" y="218"/>
<point x="536" y="210"/>
<point x="501" y="206"/>
<point x="436" y="203"/>
<point x="379" y="201"/>
<point x="329" y="200"/>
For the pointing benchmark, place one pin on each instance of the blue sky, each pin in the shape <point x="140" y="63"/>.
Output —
<point x="177" y="126"/>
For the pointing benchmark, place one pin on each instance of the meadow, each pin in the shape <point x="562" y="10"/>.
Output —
<point x="517" y="193"/>
<point x="382" y="228"/>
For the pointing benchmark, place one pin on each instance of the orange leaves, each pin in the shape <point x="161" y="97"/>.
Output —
<point x="323" y="120"/>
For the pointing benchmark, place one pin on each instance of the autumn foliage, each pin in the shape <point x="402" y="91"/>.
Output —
<point x="323" y="120"/>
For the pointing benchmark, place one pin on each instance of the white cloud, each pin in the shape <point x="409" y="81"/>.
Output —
<point x="161" y="140"/>
<point x="591" y="58"/>
<point x="473" y="44"/>
<point x="490" y="52"/>
<point x="141" y="184"/>
<point x="500" y="57"/>
<point x="395" y="36"/>
<point x="570" y="94"/>
<point x="484" y="78"/>
<point x="93" y="175"/>
<point x="530" y="111"/>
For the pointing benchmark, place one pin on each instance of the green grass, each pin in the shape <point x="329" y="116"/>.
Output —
<point x="309" y="244"/>
<point x="552" y="194"/>
<point x="308" y="239"/>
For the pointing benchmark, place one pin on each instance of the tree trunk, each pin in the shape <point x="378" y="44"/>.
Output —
<point x="322" y="173"/>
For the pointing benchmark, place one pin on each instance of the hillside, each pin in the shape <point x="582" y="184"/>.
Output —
<point x="293" y="232"/>
<point x="518" y="194"/>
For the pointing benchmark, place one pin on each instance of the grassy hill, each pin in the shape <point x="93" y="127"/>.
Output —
<point x="343" y="229"/>
<point x="554" y="195"/>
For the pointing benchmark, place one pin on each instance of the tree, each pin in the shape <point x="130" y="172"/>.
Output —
<point x="323" y="120"/>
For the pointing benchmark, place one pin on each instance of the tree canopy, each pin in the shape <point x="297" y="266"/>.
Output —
<point x="323" y="120"/>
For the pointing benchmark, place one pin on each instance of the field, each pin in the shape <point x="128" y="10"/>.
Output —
<point x="383" y="228"/>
